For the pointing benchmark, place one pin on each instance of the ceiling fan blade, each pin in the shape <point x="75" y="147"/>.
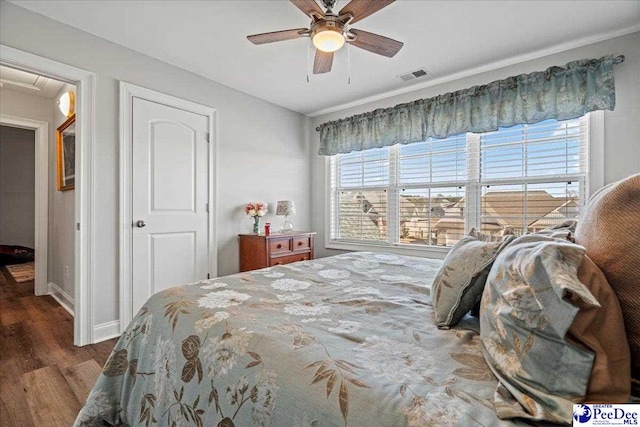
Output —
<point x="376" y="43"/>
<point x="276" y="36"/>
<point x="360" y="9"/>
<point x="322" y="62"/>
<point x="308" y="6"/>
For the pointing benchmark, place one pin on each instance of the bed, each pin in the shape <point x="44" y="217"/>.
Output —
<point x="362" y="339"/>
<point x="340" y="341"/>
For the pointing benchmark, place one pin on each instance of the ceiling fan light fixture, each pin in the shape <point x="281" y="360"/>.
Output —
<point x="328" y="40"/>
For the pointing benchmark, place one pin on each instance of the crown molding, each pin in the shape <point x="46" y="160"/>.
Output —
<point x="483" y="69"/>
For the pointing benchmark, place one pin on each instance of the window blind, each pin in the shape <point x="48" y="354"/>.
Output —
<point x="361" y="181"/>
<point x="532" y="176"/>
<point x="432" y="177"/>
<point x="518" y="180"/>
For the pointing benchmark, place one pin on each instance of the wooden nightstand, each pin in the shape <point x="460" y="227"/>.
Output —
<point x="260" y="251"/>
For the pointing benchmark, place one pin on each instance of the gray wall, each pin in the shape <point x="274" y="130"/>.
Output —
<point x="60" y="239"/>
<point x="17" y="186"/>
<point x="61" y="213"/>
<point x="263" y="151"/>
<point x="622" y="126"/>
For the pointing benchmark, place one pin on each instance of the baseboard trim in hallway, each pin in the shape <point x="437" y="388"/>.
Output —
<point x="63" y="298"/>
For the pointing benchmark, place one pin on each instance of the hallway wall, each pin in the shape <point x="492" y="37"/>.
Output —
<point x="61" y="214"/>
<point x="17" y="186"/>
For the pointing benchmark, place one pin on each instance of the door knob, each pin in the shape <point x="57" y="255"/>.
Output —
<point x="140" y="223"/>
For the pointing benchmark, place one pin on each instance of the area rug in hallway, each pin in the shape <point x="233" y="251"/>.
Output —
<point x="10" y="255"/>
<point x="22" y="272"/>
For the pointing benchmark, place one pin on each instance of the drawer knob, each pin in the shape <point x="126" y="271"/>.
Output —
<point x="300" y="243"/>
<point x="279" y="246"/>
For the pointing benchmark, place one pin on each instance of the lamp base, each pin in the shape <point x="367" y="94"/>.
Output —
<point x="287" y="226"/>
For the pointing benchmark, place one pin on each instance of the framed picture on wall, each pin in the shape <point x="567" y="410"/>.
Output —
<point x="66" y="154"/>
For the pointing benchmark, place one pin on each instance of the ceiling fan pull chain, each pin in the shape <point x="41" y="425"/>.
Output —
<point x="308" y="60"/>
<point x="348" y="63"/>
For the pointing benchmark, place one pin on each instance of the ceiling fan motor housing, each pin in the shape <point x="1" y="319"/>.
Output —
<point x="329" y="23"/>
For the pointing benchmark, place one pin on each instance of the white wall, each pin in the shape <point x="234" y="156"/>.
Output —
<point x="262" y="149"/>
<point x="622" y="126"/>
<point x="17" y="186"/>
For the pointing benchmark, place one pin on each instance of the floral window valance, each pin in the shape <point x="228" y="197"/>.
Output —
<point x="559" y="93"/>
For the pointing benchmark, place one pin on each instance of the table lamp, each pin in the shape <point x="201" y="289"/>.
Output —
<point x="286" y="208"/>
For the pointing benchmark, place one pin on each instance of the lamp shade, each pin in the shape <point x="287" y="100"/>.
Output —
<point x="286" y="207"/>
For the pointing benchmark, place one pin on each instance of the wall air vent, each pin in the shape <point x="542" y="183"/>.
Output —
<point x="416" y="74"/>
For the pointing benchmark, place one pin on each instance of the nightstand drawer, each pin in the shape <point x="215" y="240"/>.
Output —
<point x="278" y="246"/>
<point x="281" y="260"/>
<point x="301" y="243"/>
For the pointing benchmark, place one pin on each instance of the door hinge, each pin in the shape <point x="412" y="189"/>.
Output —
<point x="208" y="276"/>
<point x="78" y="226"/>
<point x="207" y="207"/>
<point x="207" y="136"/>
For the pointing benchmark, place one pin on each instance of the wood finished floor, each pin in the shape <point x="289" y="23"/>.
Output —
<point x="44" y="378"/>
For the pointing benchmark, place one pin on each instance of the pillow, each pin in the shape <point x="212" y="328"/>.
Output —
<point x="524" y="319"/>
<point x="609" y="228"/>
<point x="602" y="331"/>
<point x="564" y="230"/>
<point x="459" y="283"/>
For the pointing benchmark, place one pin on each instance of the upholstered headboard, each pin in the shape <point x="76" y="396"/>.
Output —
<point x="609" y="228"/>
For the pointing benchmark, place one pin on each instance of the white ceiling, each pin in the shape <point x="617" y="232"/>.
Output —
<point x="446" y="37"/>
<point x="30" y="83"/>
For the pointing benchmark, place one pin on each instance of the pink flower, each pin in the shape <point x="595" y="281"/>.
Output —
<point x="256" y="209"/>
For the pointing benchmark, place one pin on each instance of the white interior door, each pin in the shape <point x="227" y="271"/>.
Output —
<point x="169" y="198"/>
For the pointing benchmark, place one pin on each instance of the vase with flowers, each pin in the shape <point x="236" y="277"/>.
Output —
<point x="256" y="210"/>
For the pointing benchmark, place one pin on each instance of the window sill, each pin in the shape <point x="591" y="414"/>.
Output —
<point x="433" y="252"/>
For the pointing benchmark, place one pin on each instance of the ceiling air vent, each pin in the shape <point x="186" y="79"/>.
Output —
<point x="417" y="74"/>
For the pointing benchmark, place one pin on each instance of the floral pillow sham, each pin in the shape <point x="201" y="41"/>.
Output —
<point x="530" y="302"/>
<point x="459" y="283"/>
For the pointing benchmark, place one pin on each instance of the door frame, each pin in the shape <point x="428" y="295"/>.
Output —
<point x="128" y="92"/>
<point x="41" y="223"/>
<point x="84" y="242"/>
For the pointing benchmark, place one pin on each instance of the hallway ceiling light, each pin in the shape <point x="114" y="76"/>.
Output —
<point x="67" y="104"/>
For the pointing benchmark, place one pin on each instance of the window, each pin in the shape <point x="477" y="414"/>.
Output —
<point x="519" y="179"/>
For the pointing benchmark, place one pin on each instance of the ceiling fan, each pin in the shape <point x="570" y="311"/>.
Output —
<point x="330" y="31"/>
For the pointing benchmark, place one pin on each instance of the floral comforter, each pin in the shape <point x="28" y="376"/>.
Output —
<point x="341" y="341"/>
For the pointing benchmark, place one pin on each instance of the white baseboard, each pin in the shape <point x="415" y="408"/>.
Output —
<point x="106" y="331"/>
<point x="63" y="298"/>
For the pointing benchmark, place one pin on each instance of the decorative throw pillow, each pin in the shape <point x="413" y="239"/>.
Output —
<point x="525" y="316"/>
<point x="601" y="329"/>
<point x="609" y="228"/>
<point x="459" y="283"/>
